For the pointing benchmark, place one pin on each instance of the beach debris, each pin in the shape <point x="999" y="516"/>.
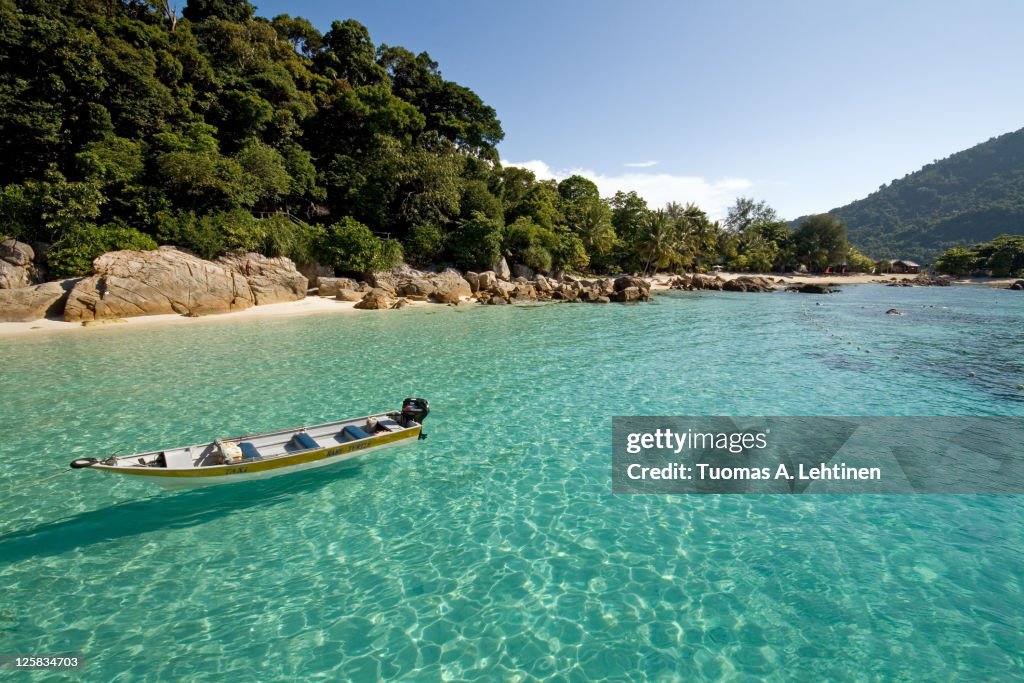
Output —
<point x="102" y="321"/>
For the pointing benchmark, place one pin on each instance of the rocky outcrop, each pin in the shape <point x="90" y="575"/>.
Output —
<point x="445" y="287"/>
<point x="811" y="288"/>
<point x="25" y="304"/>
<point x="272" y="280"/>
<point x="1018" y="286"/>
<point x="627" y="288"/>
<point x="164" y="280"/>
<point x="417" y="286"/>
<point x="449" y="287"/>
<point x="749" y="283"/>
<point x="376" y="299"/>
<point x="519" y="270"/>
<point x="330" y="286"/>
<point x="17" y="267"/>
<point x="926" y="280"/>
<point x="697" y="282"/>
<point x="349" y="295"/>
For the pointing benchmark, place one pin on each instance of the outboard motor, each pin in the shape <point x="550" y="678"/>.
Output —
<point x="414" y="410"/>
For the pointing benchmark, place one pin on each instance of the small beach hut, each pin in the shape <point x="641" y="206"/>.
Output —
<point x="904" y="266"/>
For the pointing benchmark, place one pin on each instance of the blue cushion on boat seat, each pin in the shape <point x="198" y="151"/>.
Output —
<point x="353" y="432"/>
<point x="249" y="451"/>
<point x="306" y="441"/>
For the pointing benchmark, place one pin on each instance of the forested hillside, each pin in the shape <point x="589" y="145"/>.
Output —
<point x="969" y="197"/>
<point x="124" y="125"/>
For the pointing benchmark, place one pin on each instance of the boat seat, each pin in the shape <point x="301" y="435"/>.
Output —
<point x="249" y="451"/>
<point x="353" y="433"/>
<point x="389" y="424"/>
<point x="305" y="441"/>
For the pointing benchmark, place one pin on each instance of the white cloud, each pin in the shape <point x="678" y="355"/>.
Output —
<point x="658" y="189"/>
<point x="641" y="164"/>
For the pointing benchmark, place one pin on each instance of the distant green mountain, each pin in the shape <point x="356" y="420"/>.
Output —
<point x="969" y="197"/>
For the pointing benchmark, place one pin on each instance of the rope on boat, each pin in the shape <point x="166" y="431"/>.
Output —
<point x="36" y="482"/>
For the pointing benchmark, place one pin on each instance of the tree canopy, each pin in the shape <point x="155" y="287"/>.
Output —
<point x="123" y="125"/>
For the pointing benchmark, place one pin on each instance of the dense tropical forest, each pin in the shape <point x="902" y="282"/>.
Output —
<point x="971" y="196"/>
<point x="1002" y="257"/>
<point x="126" y="125"/>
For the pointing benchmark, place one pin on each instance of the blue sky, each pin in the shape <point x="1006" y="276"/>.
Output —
<point x="808" y="105"/>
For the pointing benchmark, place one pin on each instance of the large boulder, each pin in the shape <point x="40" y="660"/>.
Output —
<point x="502" y="270"/>
<point x="25" y="304"/>
<point x="330" y="286"/>
<point x="626" y="281"/>
<point x="17" y="253"/>
<point x="520" y="270"/>
<point x="16" y="264"/>
<point x="810" y="288"/>
<point x="450" y="287"/>
<point x="376" y="299"/>
<point x="473" y="279"/>
<point x="314" y="272"/>
<point x="416" y="286"/>
<point x="272" y="280"/>
<point x="749" y="283"/>
<point x="1018" y="285"/>
<point x="487" y="281"/>
<point x="349" y="295"/>
<point x="164" y="280"/>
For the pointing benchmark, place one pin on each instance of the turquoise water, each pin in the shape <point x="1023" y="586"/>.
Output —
<point x="494" y="550"/>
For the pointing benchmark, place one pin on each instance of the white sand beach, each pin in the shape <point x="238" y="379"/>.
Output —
<point x="321" y="305"/>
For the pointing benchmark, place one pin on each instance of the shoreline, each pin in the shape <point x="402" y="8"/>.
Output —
<point x="312" y="305"/>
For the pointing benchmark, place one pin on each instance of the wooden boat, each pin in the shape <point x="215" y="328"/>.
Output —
<point x="259" y="456"/>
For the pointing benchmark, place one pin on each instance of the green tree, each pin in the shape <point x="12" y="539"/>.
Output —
<point x="351" y="247"/>
<point x="820" y="241"/>
<point x="74" y="253"/>
<point x="475" y="244"/>
<point x="229" y="10"/>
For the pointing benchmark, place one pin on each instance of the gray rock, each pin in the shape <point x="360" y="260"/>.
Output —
<point x="17" y="253"/>
<point x="810" y="288"/>
<point x="502" y="270"/>
<point x="519" y="270"/>
<point x="474" y="281"/>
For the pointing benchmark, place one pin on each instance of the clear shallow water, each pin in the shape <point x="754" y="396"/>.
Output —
<point x="495" y="548"/>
